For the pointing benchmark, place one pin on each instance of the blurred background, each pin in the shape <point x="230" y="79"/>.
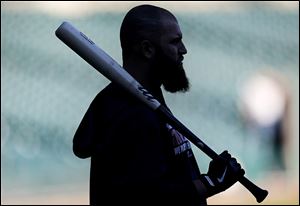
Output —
<point x="242" y="62"/>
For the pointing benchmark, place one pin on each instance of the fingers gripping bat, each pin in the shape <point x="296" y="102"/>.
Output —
<point x="108" y="67"/>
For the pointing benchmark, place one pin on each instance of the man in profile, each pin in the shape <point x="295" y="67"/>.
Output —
<point x="136" y="157"/>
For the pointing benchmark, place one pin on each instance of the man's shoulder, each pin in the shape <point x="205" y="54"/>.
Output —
<point x="114" y="99"/>
<point x="111" y="93"/>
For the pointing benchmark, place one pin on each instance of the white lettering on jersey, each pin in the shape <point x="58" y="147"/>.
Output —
<point x="180" y="142"/>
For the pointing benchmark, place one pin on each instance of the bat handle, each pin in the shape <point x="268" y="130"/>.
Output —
<point x="257" y="192"/>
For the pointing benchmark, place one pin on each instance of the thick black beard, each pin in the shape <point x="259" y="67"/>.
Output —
<point x="175" y="79"/>
<point x="172" y="75"/>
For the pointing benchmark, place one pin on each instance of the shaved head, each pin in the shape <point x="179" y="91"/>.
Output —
<point x="142" y="22"/>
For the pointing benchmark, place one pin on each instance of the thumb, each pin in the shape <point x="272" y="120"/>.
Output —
<point x="225" y="155"/>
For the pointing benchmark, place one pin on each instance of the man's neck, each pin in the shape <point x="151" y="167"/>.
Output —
<point x="144" y="75"/>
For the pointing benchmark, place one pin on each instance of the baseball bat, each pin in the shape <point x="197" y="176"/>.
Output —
<point x="108" y="67"/>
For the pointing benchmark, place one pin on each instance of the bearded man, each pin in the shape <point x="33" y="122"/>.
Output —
<point x="136" y="157"/>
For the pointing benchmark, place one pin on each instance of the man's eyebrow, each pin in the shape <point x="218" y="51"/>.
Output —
<point x="178" y="36"/>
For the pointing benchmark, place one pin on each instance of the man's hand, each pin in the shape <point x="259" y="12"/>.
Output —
<point x="223" y="172"/>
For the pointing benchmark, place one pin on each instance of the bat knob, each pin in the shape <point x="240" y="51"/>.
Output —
<point x="261" y="195"/>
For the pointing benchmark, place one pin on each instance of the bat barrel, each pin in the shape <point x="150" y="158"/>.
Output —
<point x="102" y="62"/>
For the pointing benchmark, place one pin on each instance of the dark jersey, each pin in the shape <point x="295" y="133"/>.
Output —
<point x="136" y="157"/>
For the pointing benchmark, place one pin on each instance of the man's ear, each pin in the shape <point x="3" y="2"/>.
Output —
<point x="147" y="49"/>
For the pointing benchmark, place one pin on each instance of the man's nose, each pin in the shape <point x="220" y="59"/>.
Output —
<point x="182" y="49"/>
